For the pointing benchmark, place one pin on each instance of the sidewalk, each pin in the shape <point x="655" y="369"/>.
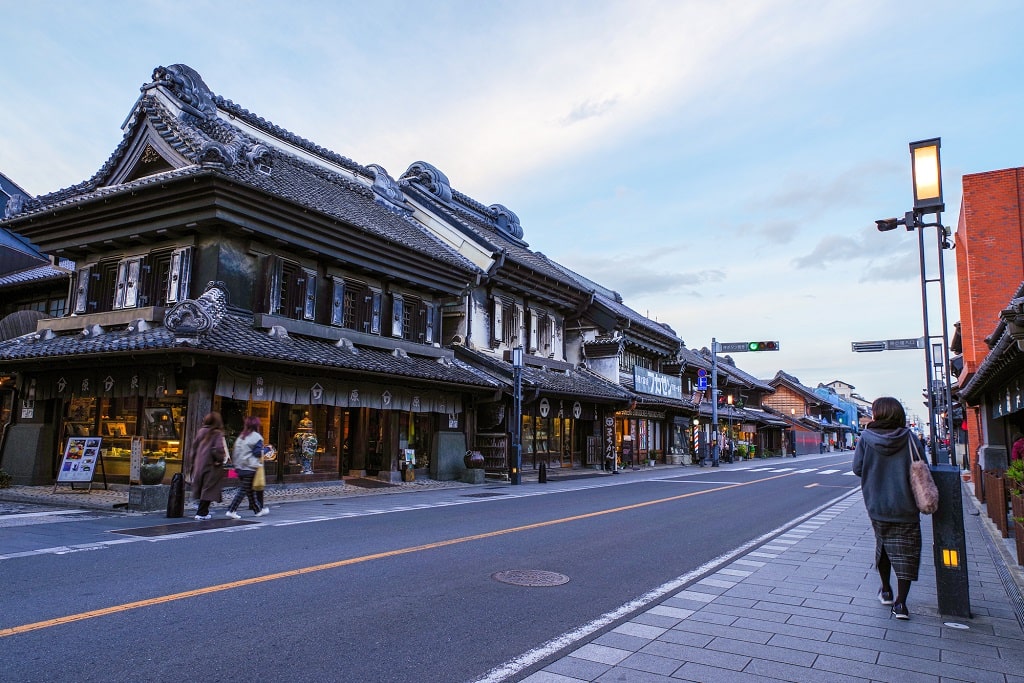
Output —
<point x="803" y="607"/>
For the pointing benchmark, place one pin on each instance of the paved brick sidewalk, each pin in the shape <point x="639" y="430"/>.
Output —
<point x="803" y="607"/>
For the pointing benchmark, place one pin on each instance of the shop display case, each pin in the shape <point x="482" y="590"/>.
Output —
<point x="494" y="448"/>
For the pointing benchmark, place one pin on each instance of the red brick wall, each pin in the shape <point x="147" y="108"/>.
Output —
<point x="989" y="255"/>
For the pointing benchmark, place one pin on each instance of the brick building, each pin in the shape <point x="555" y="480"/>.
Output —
<point x="990" y="269"/>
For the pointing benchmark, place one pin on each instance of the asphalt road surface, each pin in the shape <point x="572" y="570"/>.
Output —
<point x="424" y="587"/>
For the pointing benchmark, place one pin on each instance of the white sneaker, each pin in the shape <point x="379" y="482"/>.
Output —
<point x="264" y="511"/>
<point x="203" y="518"/>
<point x="232" y="515"/>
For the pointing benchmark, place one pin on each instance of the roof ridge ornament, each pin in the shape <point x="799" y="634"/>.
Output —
<point x="386" y="191"/>
<point x="506" y="220"/>
<point x="188" y="87"/>
<point x="432" y="178"/>
<point x="345" y="343"/>
<point x="194" y="318"/>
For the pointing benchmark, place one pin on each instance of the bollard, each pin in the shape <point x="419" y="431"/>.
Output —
<point x="949" y="544"/>
<point x="542" y="476"/>
<point x="176" y="497"/>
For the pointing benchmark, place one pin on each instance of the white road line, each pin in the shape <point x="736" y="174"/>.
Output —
<point x="26" y="515"/>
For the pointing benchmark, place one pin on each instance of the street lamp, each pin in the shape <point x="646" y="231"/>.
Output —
<point x="729" y="440"/>
<point x="949" y="542"/>
<point x="517" y="409"/>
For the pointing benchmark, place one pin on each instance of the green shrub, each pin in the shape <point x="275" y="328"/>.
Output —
<point x="5" y="480"/>
<point x="1015" y="475"/>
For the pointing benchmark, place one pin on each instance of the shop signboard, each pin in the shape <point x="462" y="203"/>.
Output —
<point x="79" y="462"/>
<point x="657" y="384"/>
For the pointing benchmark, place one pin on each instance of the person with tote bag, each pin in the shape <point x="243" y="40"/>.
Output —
<point x="882" y="460"/>
<point x="247" y="456"/>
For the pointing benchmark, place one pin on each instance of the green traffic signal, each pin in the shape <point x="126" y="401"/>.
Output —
<point x="763" y="346"/>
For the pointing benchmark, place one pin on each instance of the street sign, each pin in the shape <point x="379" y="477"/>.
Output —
<point x="888" y="345"/>
<point x="702" y="383"/>
<point x="868" y="346"/>
<point x="901" y="344"/>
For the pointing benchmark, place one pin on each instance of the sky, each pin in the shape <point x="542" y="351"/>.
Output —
<point x="719" y="164"/>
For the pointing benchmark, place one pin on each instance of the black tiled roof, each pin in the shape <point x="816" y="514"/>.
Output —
<point x="236" y="337"/>
<point x="516" y="251"/>
<point x="572" y="382"/>
<point x="216" y="146"/>
<point x="39" y="274"/>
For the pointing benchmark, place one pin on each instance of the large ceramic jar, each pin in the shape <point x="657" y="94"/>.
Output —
<point x="152" y="471"/>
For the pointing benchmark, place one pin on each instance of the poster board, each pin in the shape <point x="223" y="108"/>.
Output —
<point x="81" y="457"/>
<point x="135" y="463"/>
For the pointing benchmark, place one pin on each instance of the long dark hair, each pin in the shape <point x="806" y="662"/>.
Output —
<point x="888" y="413"/>
<point x="252" y="424"/>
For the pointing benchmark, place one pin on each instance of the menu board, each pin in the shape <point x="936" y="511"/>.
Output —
<point x="80" y="456"/>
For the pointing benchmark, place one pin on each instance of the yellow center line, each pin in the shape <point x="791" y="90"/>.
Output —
<point x="231" y="585"/>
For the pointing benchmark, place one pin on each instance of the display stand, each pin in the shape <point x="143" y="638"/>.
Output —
<point x="82" y="455"/>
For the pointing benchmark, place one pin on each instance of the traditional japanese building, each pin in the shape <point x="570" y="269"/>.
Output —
<point x="223" y="263"/>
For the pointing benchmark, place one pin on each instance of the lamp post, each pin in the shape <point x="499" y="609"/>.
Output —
<point x="714" y="402"/>
<point x="517" y="410"/>
<point x="949" y="543"/>
<point x="729" y="439"/>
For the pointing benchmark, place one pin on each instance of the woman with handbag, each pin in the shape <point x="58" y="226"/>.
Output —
<point x="206" y="463"/>
<point x="247" y="456"/>
<point x="882" y="460"/>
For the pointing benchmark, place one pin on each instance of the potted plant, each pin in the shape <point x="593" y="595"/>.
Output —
<point x="1015" y="483"/>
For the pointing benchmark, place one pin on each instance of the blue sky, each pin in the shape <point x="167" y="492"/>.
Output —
<point x="720" y="164"/>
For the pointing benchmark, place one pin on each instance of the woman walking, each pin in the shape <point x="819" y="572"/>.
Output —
<point x="882" y="461"/>
<point x="206" y="463"/>
<point x="247" y="456"/>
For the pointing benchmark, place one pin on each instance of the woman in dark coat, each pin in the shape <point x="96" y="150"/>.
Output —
<point x="207" y="464"/>
<point x="882" y="461"/>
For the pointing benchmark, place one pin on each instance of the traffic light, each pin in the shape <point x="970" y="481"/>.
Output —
<point x="763" y="346"/>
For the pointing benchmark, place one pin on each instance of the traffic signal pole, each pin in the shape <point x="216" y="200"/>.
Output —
<point x="714" y="402"/>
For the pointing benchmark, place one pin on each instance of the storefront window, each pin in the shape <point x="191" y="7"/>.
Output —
<point x="416" y="432"/>
<point x="159" y="424"/>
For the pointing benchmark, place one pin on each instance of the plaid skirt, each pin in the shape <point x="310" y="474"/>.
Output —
<point x="902" y="543"/>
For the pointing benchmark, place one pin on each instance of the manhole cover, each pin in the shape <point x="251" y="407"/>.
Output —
<point x="530" y="577"/>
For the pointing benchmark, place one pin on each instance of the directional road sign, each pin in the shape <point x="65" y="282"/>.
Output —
<point x="888" y="345"/>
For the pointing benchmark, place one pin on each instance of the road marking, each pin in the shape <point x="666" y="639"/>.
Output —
<point x="231" y="585"/>
<point x="829" y="471"/>
<point x="25" y="515"/>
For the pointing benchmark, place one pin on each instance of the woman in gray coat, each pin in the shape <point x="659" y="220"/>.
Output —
<point x="882" y="461"/>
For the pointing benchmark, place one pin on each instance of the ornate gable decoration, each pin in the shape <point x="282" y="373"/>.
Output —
<point x="187" y="85"/>
<point x="225" y="145"/>
<point x="194" y="318"/>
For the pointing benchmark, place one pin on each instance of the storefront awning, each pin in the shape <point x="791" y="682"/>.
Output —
<point x="279" y="388"/>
